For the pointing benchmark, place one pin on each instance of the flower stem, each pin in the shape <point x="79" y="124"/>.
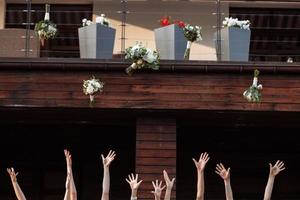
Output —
<point x="187" y="50"/>
<point x="129" y="70"/>
<point x="47" y="12"/>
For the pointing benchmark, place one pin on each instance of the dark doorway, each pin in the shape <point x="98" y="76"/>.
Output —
<point x="36" y="152"/>
<point x="245" y="142"/>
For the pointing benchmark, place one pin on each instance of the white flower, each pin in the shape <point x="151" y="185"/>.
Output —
<point x="102" y="20"/>
<point x="260" y="87"/>
<point x="234" y="22"/>
<point x="150" y="57"/>
<point x="89" y="22"/>
<point x="90" y="89"/>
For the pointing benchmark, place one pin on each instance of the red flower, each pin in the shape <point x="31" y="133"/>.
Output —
<point x="181" y="24"/>
<point x="165" y="21"/>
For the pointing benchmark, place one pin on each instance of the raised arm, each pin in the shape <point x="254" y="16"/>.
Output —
<point x="106" y="179"/>
<point x="18" y="191"/>
<point x="67" y="193"/>
<point x="134" y="185"/>
<point x="169" y="185"/>
<point x="72" y="187"/>
<point x="157" y="189"/>
<point x="274" y="170"/>
<point x="225" y="175"/>
<point x="200" y="165"/>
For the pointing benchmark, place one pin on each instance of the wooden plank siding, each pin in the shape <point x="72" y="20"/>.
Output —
<point x="165" y="106"/>
<point x="155" y="152"/>
<point x="52" y="84"/>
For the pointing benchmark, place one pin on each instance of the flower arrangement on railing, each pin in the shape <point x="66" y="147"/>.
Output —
<point x="45" y="28"/>
<point x="91" y="87"/>
<point x="253" y="93"/>
<point x="99" y="20"/>
<point x="234" y="22"/>
<point x="192" y="34"/>
<point x="141" y="58"/>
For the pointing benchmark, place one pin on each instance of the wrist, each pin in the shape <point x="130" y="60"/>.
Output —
<point x="169" y="189"/>
<point x="134" y="193"/>
<point x="226" y="181"/>
<point x="271" y="176"/>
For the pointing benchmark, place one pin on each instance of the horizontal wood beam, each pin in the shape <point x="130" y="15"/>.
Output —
<point x="74" y="64"/>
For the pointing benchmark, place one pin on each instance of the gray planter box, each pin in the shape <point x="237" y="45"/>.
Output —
<point x="235" y="44"/>
<point x="96" y="41"/>
<point x="170" y="42"/>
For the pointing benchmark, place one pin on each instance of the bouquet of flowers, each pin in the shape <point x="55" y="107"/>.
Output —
<point x="253" y="93"/>
<point x="141" y="57"/>
<point x="91" y="87"/>
<point x="100" y="20"/>
<point x="192" y="34"/>
<point x="45" y="28"/>
<point x="234" y="22"/>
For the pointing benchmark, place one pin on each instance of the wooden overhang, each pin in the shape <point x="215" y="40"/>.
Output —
<point x="178" y="85"/>
<point x="181" y="94"/>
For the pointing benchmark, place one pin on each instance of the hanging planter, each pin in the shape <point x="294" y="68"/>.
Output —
<point x="91" y="87"/>
<point x="45" y="28"/>
<point x="253" y="93"/>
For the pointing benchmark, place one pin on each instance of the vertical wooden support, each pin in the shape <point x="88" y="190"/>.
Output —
<point x="155" y="151"/>
<point x="2" y="13"/>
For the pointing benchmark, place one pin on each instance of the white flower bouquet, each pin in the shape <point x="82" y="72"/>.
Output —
<point x="91" y="87"/>
<point x="234" y="22"/>
<point x="192" y="34"/>
<point x="253" y="93"/>
<point x="45" y="28"/>
<point x="99" y="20"/>
<point x="141" y="57"/>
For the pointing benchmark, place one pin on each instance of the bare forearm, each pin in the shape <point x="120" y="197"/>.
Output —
<point x="228" y="190"/>
<point x="73" y="191"/>
<point x="168" y="194"/>
<point x="67" y="195"/>
<point x="133" y="194"/>
<point x="18" y="191"/>
<point x="105" y="184"/>
<point x="200" y="186"/>
<point x="269" y="188"/>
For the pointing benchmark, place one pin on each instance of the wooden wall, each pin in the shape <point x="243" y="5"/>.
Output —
<point x="166" y="106"/>
<point x="179" y="86"/>
<point x="156" y="148"/>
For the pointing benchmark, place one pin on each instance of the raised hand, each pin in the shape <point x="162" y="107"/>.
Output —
<point x="18" y="191"/>
<point x="200" y="165"/>
<point x="221" y="170"/>
<point x="278" y="167"/>
<point x="68" y="157"/>
<point x="12" y="174"/>
<point x="157" y="189"/>
<point x="274" y="170"/>
<point x="133" y="181"/>
<point x="169" y="183"/>
<point x="108" y="159"/>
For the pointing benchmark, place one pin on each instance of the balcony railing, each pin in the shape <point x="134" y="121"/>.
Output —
<point x="275" y="27"/>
